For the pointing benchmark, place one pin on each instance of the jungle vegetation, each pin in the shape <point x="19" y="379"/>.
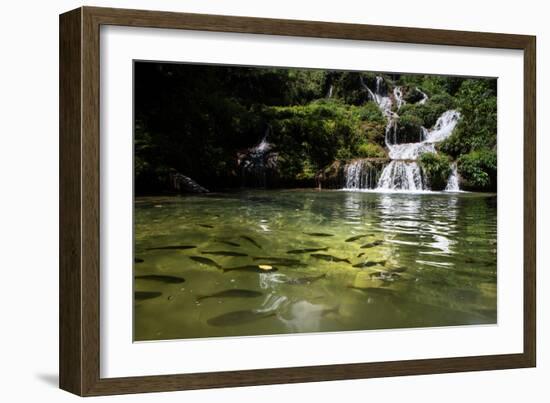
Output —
<point x="195" y="119"/>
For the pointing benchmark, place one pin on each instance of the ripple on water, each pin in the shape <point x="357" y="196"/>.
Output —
<point x="443" y="247"/>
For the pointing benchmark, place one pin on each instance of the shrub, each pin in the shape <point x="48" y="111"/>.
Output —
<point x="430" y="111"/>
<point x="476" y="130"/>
<point x="436" y="168"/>
<point x="412" y="95"/>
<point x="370" y="112"/>
<point x="409" y="129"/>
<point x="370" y="150"/>
<point x="478" y="170"/>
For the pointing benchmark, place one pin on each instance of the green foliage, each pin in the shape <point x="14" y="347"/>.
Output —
<point x="370" y="150"/>
<point x="371" y="113"/>
<point x="409" y="129"/>
<point x="309" y="137"/>
<point x="436" y="168"/>
<point x="429" y="111"/>
<point x="478" y="170"/>
<point x="347" y="87"/>
<point x="477" y="129"/>
<point x="412" y="95"/>
<point x="432" y="85"/>
<point x="197" y="118"/>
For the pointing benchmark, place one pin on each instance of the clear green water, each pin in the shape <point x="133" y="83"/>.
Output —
<point x="431" y="261"/>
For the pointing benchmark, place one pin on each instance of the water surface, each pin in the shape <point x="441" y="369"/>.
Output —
<point x="426" y="260"/>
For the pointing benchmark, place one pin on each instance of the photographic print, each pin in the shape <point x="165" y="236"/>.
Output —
<point x="284" y="200"/>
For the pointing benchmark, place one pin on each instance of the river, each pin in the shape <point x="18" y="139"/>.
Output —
<point x="373" y="260"/>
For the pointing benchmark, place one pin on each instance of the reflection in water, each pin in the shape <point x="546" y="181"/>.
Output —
<point x="420" y="260"/>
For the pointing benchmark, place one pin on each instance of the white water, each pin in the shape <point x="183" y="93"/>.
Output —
<point x="330" y="90"/>
<point x="261" y="147"/>
<point x="380" y="96"/>
<point x="403" y="173"/>
<point x="452" y="183"/>
<point x="360" y="174"/>
<point x="424" y="97"/>
<point x="443" y="127"/>
<point x="256" y="161"/>
<point x="398" y="95"/>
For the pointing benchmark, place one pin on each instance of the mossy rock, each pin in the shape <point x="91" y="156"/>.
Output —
<point x="332" y="176"/>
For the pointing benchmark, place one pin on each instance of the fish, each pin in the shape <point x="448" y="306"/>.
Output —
<point x="235" y="244"/>
<point x="238" y="318"/>
<point x="397" y="269"/>
<point x="329" y="258"/>
<point x="370" y="264"/>
<point x="138" y="260"/>
<point x="276" y="259"/>
<point x="232" y="293"/>
<point x="361" y="254"/>
<point x="252" y="241"/>
<point x="307" y="250"/>
<point x="223" y="253"/>
<point x="205" y="260"/>
<point x="252" y="268"/>
<point x="305" y="280"/>
<point x="374" y="290"/>
<point x="285" y="264"/>
<point x="318" y="234"/>
<point x="161" y="278"/>
<point x="143" y="295"/>
<point x="205" y="225"/>
<point x="356" y="237"/>
<point x="372" y="244"/>
<point x="173" y="247"/>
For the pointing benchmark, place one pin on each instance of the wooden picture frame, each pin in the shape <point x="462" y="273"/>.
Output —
<point x="80" y="184"/>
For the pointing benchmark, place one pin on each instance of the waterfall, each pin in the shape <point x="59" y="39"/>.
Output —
<point x="361" y="174"/>
<point x="380" y="96"/>
<point x="398" y="95"/>
<point x="403" y="172"/>
<point x="452" y="183"/>
<point x="329" y="92"/>
<point x="424" y="97"/>
<point x="443" y="127"/>
<point x="401" y="175"/>
<point x="257" y="163"/>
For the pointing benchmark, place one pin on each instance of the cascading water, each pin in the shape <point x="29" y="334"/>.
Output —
<point x="424" y="97"/>
<point x="452" y="183"/>
<point x="403" y="172"/>
<point x="329" y="92"/>
<point x="398" y="95"/>
<point x="361" y="174"/>
<point x="401" y="175"/>
<point x="257" y="163"/>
